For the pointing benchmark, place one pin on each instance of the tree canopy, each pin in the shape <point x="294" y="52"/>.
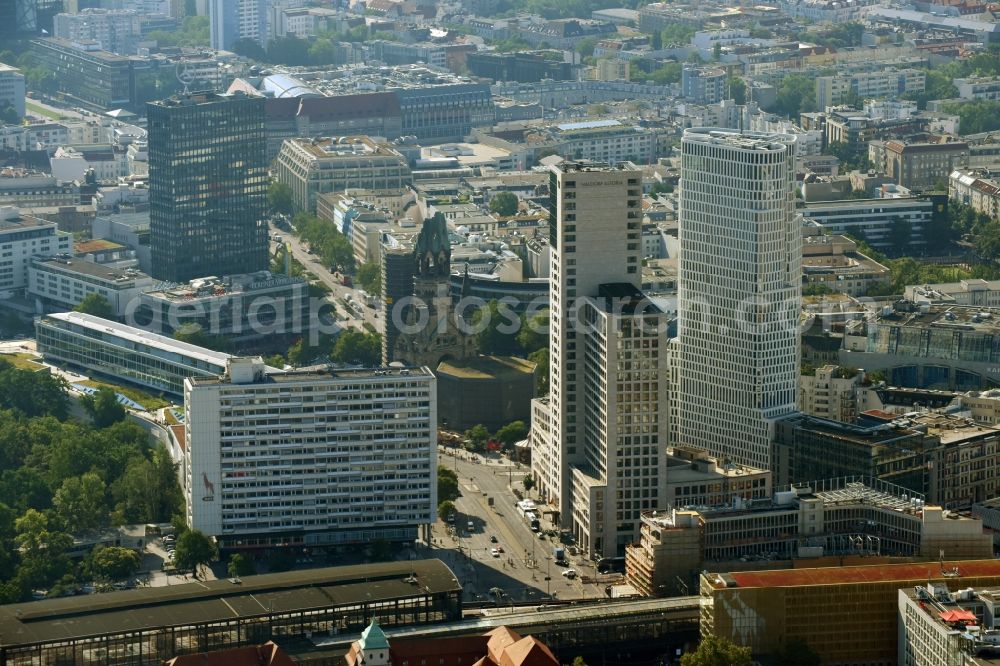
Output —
<point x="240" y="565"/>
<point x="193" y="334"/>
<point x="445" y="509"/>
<point x="60" y="477"/>
<point x="113" y="563"/>
<point x="717" y="651"/>
<point x="511" y="433"/>
<point x="97" y="305"/>
<point x="369" y="276"/>
<point x="796" y="94"/>
<point x="194" y="31"/>
<point x="497" y="325"/>
<point x="477" y="435"/>
<point x="447" y="484"/>
<point x="103" y="407"/>
<point x="32" y="393"/>
<point x="504" y="204"/>
<point x="194" y="550"/>
<point x="279" y="198"/>
<point x="325" y="240"/>
<point x="357" y="347"/>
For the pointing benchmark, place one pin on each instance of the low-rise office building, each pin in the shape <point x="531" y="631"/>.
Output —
<point x="833" y="262"/>
<point x="62" y="282"/>
<point x="838" y="517"/>
<point x="35" y="190"/>
<point x="873" y="219"/>
<point x="23" y="238"/>
<point x="807" y="448"/>
<point x="922" y="165"/>
<point x="315" y="166"/>
<point x="858" y="605"/>
<point x="829" y="392"/>
<point x="695" y="478"/>
<point x="116" y="30"/>
<point x="124" y="353"/>
<point x="241" y="308"/>
<point x="979" y="87"/>
<point x="942" y="456"/>
<point x="890" y="83"/>
<point x="12" y="88"/>
<point x="86" y="74"/>
<point x="974" y="292"/>
<point x="103" y="162"/>
<point x="917" y="345"/>
<point x="353" y="460"/>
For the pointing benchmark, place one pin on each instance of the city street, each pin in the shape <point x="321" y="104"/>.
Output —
<point x="468" y="553"/>
<point x="338" y="291"/>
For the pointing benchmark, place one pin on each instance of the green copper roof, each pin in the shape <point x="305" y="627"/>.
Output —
<point x="373" y="638"/>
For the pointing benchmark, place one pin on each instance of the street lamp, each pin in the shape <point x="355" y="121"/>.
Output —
<point x="548" y="579"/>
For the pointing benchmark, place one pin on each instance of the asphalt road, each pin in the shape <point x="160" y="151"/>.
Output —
<point x="323" y="274"/>
<point x="526" y="561"/>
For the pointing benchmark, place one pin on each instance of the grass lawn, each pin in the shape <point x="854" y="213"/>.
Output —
<point x="169" y="416"/>
<point x="150" y="402"/>
<point x="23" y="361"/>
<point x="42" y="111"/>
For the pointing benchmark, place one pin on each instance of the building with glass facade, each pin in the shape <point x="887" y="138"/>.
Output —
<point x="124" y="353"/>
<point x="207" y="186"/>
<point x="306" y="608"/>
<point x="739" y="290"/>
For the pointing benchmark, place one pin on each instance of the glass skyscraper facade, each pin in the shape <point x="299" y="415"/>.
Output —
<point x="207" y="186"/>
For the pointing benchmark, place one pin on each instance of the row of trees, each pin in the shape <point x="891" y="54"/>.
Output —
<point x="324" y="239"/>
<point x="976" y="116"/>
<point x="352" y="347"/>
<point x="448" y="491"/>
<point x="478" y="436"/>
<point x="321" y="50"/>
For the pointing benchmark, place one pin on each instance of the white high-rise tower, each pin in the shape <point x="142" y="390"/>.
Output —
<point x="232" y="20"/>
<point x="740" y="289"/>
<point x="599" y="439"/>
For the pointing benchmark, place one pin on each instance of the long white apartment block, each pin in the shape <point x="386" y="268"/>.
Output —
<point x="310" y="457"/>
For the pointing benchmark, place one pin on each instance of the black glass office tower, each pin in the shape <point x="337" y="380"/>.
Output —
<point x="207" y="186"/>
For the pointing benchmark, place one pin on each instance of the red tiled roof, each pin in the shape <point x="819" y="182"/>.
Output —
<point x="500" y="639"/>
<point x="866" y="574"/>
<point x="879" y="414"/>
<point x="528" y="651"/>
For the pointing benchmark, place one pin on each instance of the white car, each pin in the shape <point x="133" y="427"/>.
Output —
<point x="495" y="552"/>
<point x="569" y="573"/>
